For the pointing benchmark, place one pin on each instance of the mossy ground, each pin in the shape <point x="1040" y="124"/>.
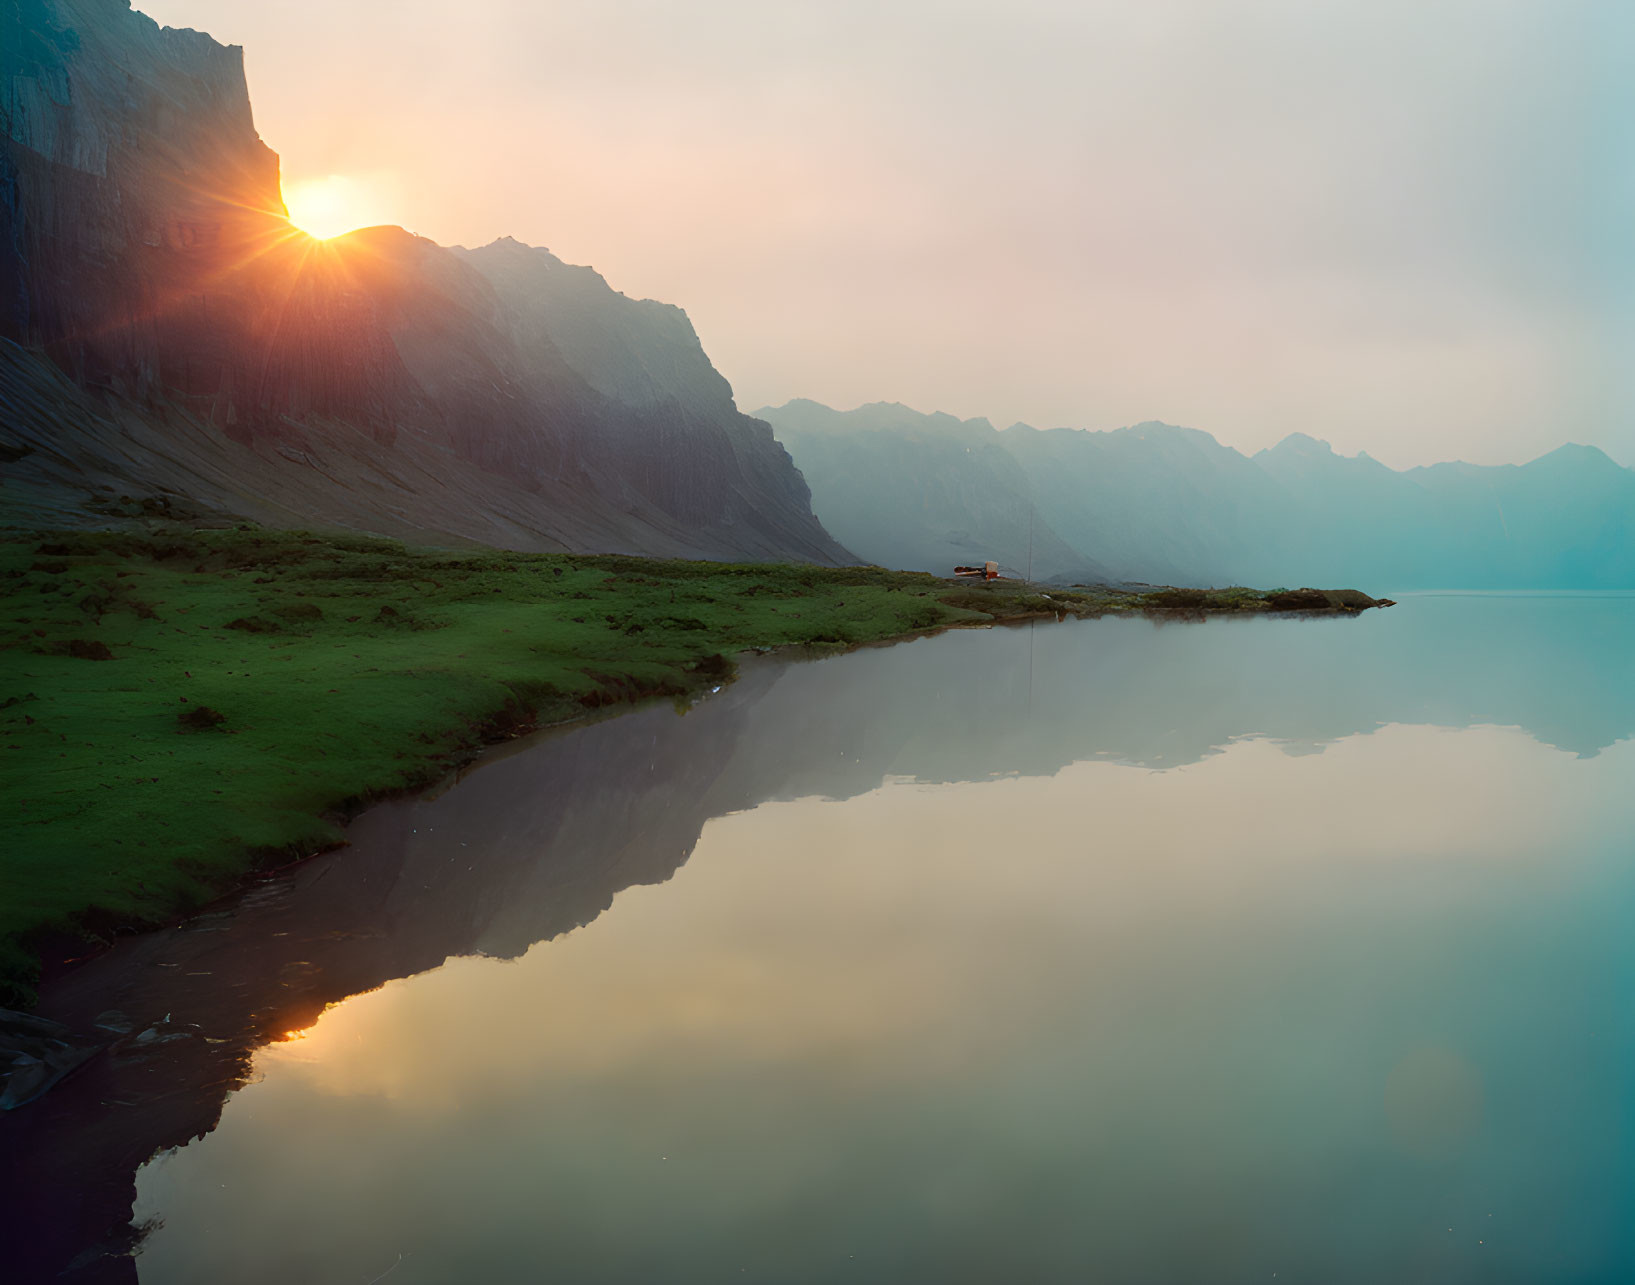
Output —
<point x="178" y="707"/>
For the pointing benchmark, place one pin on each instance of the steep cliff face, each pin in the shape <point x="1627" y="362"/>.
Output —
<point x="133" y="178"/>
<point x="658" y="426"/>
<point x="148" y="255"/>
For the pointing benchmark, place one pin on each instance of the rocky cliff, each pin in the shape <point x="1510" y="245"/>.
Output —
<point x="659" y="428"/>
<point x="174" y="341"/>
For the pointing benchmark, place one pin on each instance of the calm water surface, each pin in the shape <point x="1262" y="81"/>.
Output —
<point x="1103" y="951"/>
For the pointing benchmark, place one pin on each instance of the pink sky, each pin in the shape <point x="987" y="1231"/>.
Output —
<point x="1386" y="224"/>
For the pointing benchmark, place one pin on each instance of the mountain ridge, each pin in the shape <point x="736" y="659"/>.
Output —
<point x="376" y="380"/>
<point x="1167" y="504"/>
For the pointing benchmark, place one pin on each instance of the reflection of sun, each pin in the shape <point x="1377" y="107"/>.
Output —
<point x="326" y="207"/>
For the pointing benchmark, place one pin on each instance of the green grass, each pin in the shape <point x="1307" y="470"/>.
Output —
<point x="342" y="670"/>
<point x="176" y="709"/>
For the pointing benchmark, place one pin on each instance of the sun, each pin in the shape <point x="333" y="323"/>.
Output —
<point x="329" y="206"/>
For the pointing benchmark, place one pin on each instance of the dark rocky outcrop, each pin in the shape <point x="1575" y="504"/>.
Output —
<point x="1323" y="600"/>
<point x="172" y="335"/>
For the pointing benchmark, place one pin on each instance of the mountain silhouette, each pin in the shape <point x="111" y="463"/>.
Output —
<point x="1170" y="505"/>
<point x="171" y="345"/>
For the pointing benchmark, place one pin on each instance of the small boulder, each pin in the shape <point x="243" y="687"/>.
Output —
<point x="199" y="718"/>
<point x="253" y="625"/>
<point x="86" y="649"/>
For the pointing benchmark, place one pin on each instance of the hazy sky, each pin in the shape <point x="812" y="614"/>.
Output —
<point x="1402" y="225"/>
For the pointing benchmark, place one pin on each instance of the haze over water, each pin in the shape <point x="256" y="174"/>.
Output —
<point x="1103" y="951"/>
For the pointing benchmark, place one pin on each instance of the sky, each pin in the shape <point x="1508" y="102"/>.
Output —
<point x="1403" y="226"/>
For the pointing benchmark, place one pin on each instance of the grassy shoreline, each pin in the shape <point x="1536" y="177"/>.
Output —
<point x="181" y="708"/>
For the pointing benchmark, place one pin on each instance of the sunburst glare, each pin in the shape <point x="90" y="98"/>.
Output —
<point x="328" y="206"/>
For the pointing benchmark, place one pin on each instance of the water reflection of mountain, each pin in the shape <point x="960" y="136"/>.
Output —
<point x="1031" y="701"/>
<point x="540" y="838"/>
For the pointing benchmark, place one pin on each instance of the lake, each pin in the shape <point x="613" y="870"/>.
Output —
<point x="1115" y="951"/>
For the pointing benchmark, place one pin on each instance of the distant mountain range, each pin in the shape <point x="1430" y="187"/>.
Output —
<point x="171" y="345"/>
<point x="1172" y="505"/>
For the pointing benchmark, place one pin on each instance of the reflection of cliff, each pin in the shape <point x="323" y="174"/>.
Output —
<point x="174" y="339"/>
<point x="534" y="844"/>
<point x="542" y="836"/>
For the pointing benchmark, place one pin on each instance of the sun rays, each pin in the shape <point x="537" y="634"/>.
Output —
<point x="334" y="204"/>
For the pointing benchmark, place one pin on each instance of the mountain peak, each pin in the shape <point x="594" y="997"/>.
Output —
<point x="1301" y="444"/>
<point x="1157" y="428"/>
<point x="1578" y="456"/>
<point x="510" y="245"/>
